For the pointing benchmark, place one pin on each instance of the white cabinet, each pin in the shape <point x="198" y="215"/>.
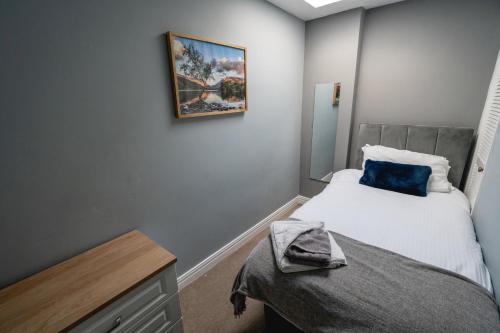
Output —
<point x="151" y="307"/>
<point x="125" y="285"/>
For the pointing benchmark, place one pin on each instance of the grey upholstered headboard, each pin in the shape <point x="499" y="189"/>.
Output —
<point x="451" y="142"/>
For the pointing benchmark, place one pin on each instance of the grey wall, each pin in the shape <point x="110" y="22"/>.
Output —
<point x="486" y="215"/>
<point x="331" y="54"/>
<point x="426" y="62"/>
<point x="90" y="148"/>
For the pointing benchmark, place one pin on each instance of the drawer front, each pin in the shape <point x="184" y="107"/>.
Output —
<point x="159" y="320"/>
<point x="139" y="301"/>
<point x="176" y="328"/>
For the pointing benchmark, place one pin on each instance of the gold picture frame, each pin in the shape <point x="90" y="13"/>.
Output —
<point x="208" y="77"/>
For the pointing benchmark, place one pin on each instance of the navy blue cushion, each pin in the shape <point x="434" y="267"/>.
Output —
<point x="402" y="178"/>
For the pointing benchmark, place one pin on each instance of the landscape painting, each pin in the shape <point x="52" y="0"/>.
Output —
<point x="209" y="77"/>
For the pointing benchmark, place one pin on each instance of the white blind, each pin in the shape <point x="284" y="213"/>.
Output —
<point x="486" y="134"/>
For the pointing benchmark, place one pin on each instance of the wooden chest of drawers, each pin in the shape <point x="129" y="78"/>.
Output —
<point x="126" y="285"/>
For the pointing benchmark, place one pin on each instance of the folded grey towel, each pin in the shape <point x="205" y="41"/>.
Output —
<point x="283" y="233"/>
<point x="310" y="248"/>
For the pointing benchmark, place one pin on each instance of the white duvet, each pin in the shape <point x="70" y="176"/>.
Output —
<point x="436" y="229"/>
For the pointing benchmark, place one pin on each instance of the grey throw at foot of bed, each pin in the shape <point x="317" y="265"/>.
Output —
<point x="379" y="291"/>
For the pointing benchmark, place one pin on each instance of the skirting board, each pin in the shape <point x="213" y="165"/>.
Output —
<point x="208" y="263"/>
<point x="300" y="199"/>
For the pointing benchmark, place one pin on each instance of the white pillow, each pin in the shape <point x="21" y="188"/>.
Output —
<point x="438" y="181"/>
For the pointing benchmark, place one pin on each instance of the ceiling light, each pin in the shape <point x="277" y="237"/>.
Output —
<point x="320" y="3"/>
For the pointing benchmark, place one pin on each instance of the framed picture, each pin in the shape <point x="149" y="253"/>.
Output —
<point x="208" y="77"/>
<point x="336" y="94"/>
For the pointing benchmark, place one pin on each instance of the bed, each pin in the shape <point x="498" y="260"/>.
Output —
<point x="436" y="229"/>
<point x="431" y="237"/>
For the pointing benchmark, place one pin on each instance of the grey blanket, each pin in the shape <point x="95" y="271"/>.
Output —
<point x="379" y="291"/>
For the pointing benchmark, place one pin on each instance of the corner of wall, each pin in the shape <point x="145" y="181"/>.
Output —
<point x="354" y="131"/>
<point x="322" y="63"/>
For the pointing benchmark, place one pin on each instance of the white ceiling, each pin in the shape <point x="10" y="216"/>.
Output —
<point x="305" y="11"/>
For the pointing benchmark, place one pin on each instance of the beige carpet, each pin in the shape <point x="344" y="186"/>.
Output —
<point x="205" y="303"/>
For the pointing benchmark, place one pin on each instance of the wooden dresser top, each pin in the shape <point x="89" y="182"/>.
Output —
<point x="63" y="295"/>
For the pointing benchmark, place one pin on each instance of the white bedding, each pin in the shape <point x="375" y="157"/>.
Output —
<point x="436" y="229"/>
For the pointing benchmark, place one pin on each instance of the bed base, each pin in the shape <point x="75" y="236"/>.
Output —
<point x="275" y="323"/>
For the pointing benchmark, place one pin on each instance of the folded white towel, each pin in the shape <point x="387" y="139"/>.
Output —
<point x="283" y="233"/>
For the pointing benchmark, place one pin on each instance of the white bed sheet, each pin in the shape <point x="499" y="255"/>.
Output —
<point x="436" y="229"/>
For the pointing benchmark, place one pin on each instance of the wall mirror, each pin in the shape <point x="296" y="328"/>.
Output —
<point x="327" y="99"/>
